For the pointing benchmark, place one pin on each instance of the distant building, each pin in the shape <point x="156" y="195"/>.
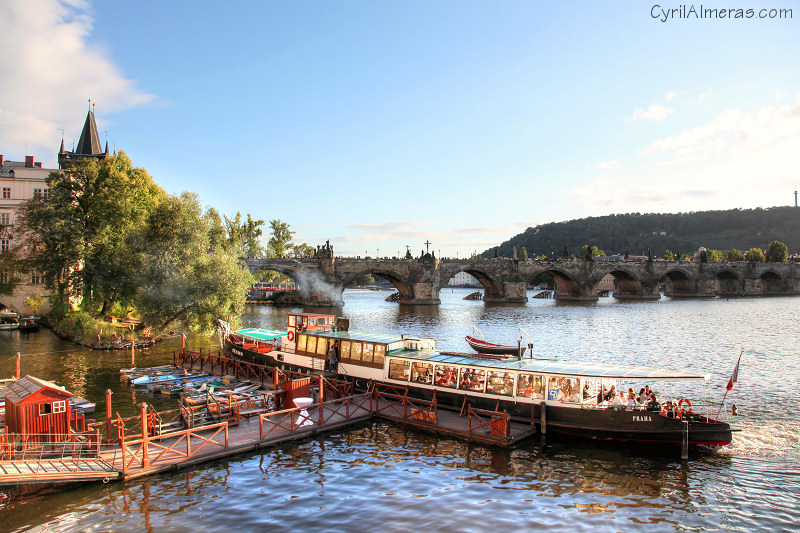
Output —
<point x="463" y="279"/>
<point x="19" y="182"/>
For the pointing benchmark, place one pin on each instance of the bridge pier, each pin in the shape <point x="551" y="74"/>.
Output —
<point x="638" y="291"/>
<point x="511" y="292"/>
<point x="421" y="293"/>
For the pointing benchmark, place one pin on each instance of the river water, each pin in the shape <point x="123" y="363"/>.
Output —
<point x="389" y="478"/>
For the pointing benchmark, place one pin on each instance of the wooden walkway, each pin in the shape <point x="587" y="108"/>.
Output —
<point x="59" y="470"/>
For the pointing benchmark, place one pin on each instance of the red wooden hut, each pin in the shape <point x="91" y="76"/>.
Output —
<point x="38" y="410"/>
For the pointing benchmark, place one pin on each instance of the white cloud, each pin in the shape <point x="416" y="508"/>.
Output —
<point x="670" y="96"/>
<point x="737" y="159"/>
<point x="705" y="96"/>
<point x="654" y="112"/>
<point x="49" y="70"/>
<point x="780" y="94"/>
<point x="605" y="165"/>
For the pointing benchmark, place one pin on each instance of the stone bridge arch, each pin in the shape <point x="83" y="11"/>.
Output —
<point x="771" y="282"/>
<point x="493" y="288"/>
<point x="402" y="285"/>
<point x="729" y="283"/>
<point x="678" y="283"/>
<point x="629" y="285"/>
<point x="567" y="288"/>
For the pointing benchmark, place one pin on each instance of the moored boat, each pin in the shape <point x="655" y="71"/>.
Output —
<point x="575" y="398"/>
<point x="9" y="320"/>
<point x="481" y="346"/>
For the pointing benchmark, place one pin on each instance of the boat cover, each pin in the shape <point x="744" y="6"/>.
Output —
<point x="260" y="334"/>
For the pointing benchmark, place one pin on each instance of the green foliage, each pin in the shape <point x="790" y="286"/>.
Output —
<point x="523" y="254"/>
<point x="243" y="237"/>
<point x="76" y="237"/>
<point x="715" y="256"/>
<point x="734" y="255"/>
<point x="595" y="252"/>
<point x="176" y="276"/>
<point x="668" y="255"/>
<point x="735" y="228"/>
<point x="35" y="302"/>
<point x="281" y="239"/>
<point x="303" y="250"/>
<point x="777" y="252"/>
<point x="362" y="280"/>
<point x="756" y="255"/>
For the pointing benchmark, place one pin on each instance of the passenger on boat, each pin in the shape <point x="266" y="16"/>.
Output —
<point x="586" y="392"/>
<point x="611" y="394"/>
<point x="653" y="404"/>
<point x="617" y="403"/>
<point x="632" y="401"/>
<point x="643" y="398"/>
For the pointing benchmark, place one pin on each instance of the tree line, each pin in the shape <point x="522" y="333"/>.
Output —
<point x="681" y="233"/>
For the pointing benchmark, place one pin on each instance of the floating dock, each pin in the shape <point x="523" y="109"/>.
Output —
<point x="154" y="442"/>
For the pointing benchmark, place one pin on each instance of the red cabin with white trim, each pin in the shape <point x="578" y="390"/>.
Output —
<point x="37" y="408"/>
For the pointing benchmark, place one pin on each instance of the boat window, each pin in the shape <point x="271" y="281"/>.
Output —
<point x="500" y="383"/>
<point x="301" y="343"/>
<point x="355" y="352"/>
<point x="472" y="379"/>
<point x="344" y="350"/>
<point x="380" y="351"/>
<point x="446" y="376"/>
<point x="422" y="373"/>
<point x="322" y="346"/>
<point x="312" y="321"/>
<point x="311" y="347"/>
<point x="531" y="386"/>
<point x="398" y="369"/>
<point x="291" y="321"/>
<point x="366" y="356"/>
<point x="563" y="389"/>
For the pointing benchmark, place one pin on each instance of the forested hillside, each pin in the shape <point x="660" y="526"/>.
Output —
<point x="681" y="232"/>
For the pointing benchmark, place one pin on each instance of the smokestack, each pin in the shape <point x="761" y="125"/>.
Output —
<point x="1" y="160"/>
<point x="28" y="161"/>
<point x="795" y="191"/>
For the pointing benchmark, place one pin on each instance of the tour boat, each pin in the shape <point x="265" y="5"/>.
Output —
<point x="9" y="320"/>
<point x="571" y="394"/>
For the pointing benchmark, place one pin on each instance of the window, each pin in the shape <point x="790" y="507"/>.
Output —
<point x="291" y="321"/>
<point x="45" y="408"/>
<point x="422" y="373"/>
<point x="6" y="192"/>
<point x="59" y="407"/>
<point x="301" y="343"/>
<point x="37" y="193"/>
<point x="46" y="193"/>
<point x="5" y="244"/>
<point x="36" y="278"/>
<point x="311" y="347"/>
<point x="322" y="346"/>
<point x="472" y="379"/>
<point x="446" y="376"/>
<point x="398" y="369"/>
<point x="5" y="219"/>
<point x="367" y="352"/>
<point x="500" y="383"/>
<point x="344" y="350"/>
<point x="4" y="277"/>
<point x="531" y="386"/>
<point x="380" y="351"/>
<point x="355" y="352"/>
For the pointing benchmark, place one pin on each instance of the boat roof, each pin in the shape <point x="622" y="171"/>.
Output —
<point x="380" y="338"/>
<point x="260" y="334"/>
<point x="550" y="366"/>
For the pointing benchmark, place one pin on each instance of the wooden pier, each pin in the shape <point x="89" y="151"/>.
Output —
<point x="154" y="442"/>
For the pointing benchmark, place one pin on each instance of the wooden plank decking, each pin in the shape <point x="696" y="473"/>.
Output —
<point x="58" y="470"/>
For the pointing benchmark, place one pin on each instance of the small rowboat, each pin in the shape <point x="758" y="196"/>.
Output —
<point x="482" y="346"/>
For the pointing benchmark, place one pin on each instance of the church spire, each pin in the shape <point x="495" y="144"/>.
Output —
<point x="89" y="143"/>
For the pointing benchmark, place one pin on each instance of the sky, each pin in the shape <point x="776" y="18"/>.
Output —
<point x="382" y="124"/>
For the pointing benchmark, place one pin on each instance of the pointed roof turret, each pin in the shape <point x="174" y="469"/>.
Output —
<point x="106" y="152"/>
<point x="89" y="143"/>
<point x="61" y="151"/>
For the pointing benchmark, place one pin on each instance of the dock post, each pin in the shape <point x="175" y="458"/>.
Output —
<point x="685" y="439"/>
<point x="108" y="415"/>
<point x="145" y="443"/>
<point x="543" y="418"/>
<point x="18" y="365"/>
<point x="133" y="359"/>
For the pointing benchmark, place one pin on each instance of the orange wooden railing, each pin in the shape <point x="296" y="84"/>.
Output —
<point x="291" y="420"/>
<point x="494" y="423"/>
<point x="138" y="453"/>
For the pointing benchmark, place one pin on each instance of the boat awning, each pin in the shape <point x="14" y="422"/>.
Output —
<point x="379" y="338"/>
<point x="260" y="334"/>
<point x="551" y="366"/>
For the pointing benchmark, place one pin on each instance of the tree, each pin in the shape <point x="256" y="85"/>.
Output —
<point x="595" y="251"/>
<point x="362" y="280"/>
<point x="715" y="256"/>
<point x="77" y="236"/>
<point x="755" y="255"/>
<point x="280" y="241"/>
<point x="243" y="237"/>
<point x="777" y="252"/>
<point x="303" y="250"/>
<point x="669" y="256"/>
<point x="176" y="276"/>
<point x="524" y="254"/>
<point x="35" y="302"/>
<point x="734" y="255"/>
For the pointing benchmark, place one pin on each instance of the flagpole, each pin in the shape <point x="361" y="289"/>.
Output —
<point x="733" y="379"/>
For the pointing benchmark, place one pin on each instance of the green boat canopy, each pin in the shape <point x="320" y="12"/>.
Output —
<point x="260" y="334"/>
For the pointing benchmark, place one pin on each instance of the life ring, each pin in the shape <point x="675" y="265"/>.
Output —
<point x="684" y="410"/>
<point x="290" y="335"/>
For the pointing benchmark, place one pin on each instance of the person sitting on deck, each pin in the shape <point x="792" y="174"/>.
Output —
<point x="617" y="402"/>
<point x="643" y="397"/>
<point x="586" y="392"/>
<point x="611" y="394"/>
<point x="632" y="403"/>
<point x="653" y="404"/>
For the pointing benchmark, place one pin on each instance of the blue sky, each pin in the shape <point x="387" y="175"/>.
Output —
<point x="380" y="124"/>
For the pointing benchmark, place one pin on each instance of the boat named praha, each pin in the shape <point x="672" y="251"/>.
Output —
<point x="579" y="398"/>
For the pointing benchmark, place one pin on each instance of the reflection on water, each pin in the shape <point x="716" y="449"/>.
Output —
<point x="386" y="476"/>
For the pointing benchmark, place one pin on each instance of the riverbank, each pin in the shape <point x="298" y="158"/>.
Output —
<point x="98" y="334"/>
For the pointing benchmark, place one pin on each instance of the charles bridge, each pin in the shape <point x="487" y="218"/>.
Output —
<point x="418" y="280"/>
